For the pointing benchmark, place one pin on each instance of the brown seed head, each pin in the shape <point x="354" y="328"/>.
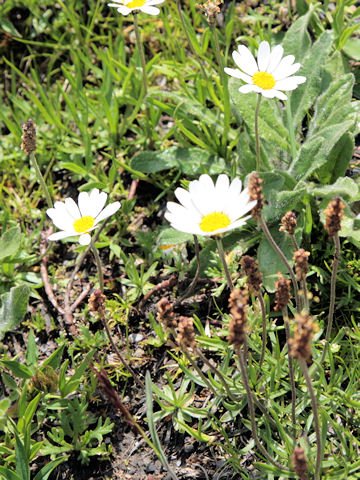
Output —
<point x="186" y="333"/>
<point x="255" y="192"/>
<point x="238" y="305"/>
<point x="283" y="293"/>
<point x="288" y="223"/>
<point x="29" y="137"/>
<point x="166" y="315"/>
<point x="300" y="347"/>
<point x="211" y="9"/>
<point x="97" y="303"/>
<point x="333" y="216"/>
<point x="254" y="276"/>
<point x="299" y="462"/>
<point x="301" y="264"/>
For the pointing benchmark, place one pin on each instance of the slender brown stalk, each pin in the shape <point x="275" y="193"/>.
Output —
<point x="291" y="372"/>
<point x="305" y="371"/>
<point x="332" y="294"/>
<point x="196" y="278"/>
<point x="218" y="373"/>
<point x="283" y="258"/>
<point x="252" y="412"/>
<point x="223" y="260"/>
<point x="264" y="336"/>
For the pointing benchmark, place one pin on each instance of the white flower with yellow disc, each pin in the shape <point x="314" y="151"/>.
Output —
<point x="127" y="6"/>
<point x="270" y="75"/>
<point x="80" y="219"/>
<point x="209" y="209"/>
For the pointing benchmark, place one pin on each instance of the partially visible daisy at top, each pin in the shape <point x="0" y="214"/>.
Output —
<point x="80" y="219"/>
<point x="209" y="209"/>
<point x="270" y="75"/>
<point x="127" y="6"/>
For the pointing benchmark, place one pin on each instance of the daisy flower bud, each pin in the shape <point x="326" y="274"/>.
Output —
<point x="209" y="209"/>
<point x="254" y="276"/>
<point x="127" y="6"/>
<point x="299" y="344"/>
<point x="270" y="75"/>
<point x="237" y="327"/>
<point x="301" y="264"/>
<point x="80" y="219"/>
<point x="166" y="315"/>
<point x="288" y="223"/>
<point x="333" y="216"/>
<point x="283" y="293"/>
<point x="186" y="333"/>
<point x="255" y="191"/>
<point x="29" y="137"/>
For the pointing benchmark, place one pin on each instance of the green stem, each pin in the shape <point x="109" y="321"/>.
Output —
<point x="196" y="278"/>
<point x="332" y="294"/>
<point x="40" y="179"/>
<point x="99" y="266"/>
<point x="223" y="260"/>
<point x="257" y="139"/>
<point x="252" y="413"/>
<point x="277" y="249"/>
<point x="305" y="371"/>
<point x="291" y="130"/>
<point x="226" y="96"/>
<point x="189" y="38"/>
<point x="141" y="53"/>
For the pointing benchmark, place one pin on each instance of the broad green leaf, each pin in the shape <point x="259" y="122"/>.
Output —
<point x="297" y="39"/>
<point x="55" y="358"/>
<point x="31" y="350"/>
<point x="352" y="48"/>
<point x="304" y="96"/>
<point x="339" y="159"/>
<point x="22" y="462"/>
<point x="170" y="236"/>
<point x="10" y="242"/>
<point x="73" y="167"/>
<point x="9" y="474"/>
<point x="13" y="308"/>
<point x="270" y="262"/>
<point x="344" y="187"/>
<point x="190" y="161"/>
<point x="271" y="127"/>
<point x="19" y="370"/>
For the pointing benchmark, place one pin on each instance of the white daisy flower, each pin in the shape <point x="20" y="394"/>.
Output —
<point x="80" y="219"/>
<point x="270" y="75"/>
<point x="208" y="209"/>
<point x="127" y="6"/>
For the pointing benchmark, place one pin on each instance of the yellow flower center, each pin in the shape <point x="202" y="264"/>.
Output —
<point x="264" y="80"/>
<point x="136" y="4"/>
<point x="214" y="221"/>
<point x="83" y="224"/>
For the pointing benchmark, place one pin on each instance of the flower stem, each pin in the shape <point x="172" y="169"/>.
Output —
<point x="141" y="53"/>
<point x="332" y="294"/>
<point x="252" y="412"/>
<point x="196" y="278"/>
<point x="263" y="315"/>
<point x="291" y="372"/>
<point x="283" y="258"/>
<point x="104" y="321"/>
<point x="40" y="179"/>
<point x="223" y="259"/>
<point x="224" y="81"/>
<point x="291" y="130"/>
<point x="257" y="139"/>
<point x="305" y="371"/>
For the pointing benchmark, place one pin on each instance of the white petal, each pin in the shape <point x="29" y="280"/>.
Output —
<point x="285" y="62"/>
<point x="247" y="60"/>
<point x="263" y="56"/>
<point x="60" y="216"/>
<point x="203" y="194"/>
<point x="290" y="83"/>
<point x="98" y="200"/>
<point x="286" y="71"/>
<point x="249" y="88"/>
<point x="154" y="2"/>
<point x="84" y="204"/>
<point x="150" y="10"/>
<point x="122" y="9"/>
<point x="222" y="188"/>
<point x="85" y="239"/>
<point x="184" y="197"/>
<point x="268" y="93"/>
<point x="235" y="186"/>
<point x="72" y="208"/>
<point x="60" y="235"/>
<point x="235" y="72"/>
<point x="275" y="57"/>
<point x="108" y="211"/>
<point x="280" y="95"/>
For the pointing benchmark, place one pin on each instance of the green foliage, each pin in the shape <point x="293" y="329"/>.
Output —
<point x="13" y="308"/>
